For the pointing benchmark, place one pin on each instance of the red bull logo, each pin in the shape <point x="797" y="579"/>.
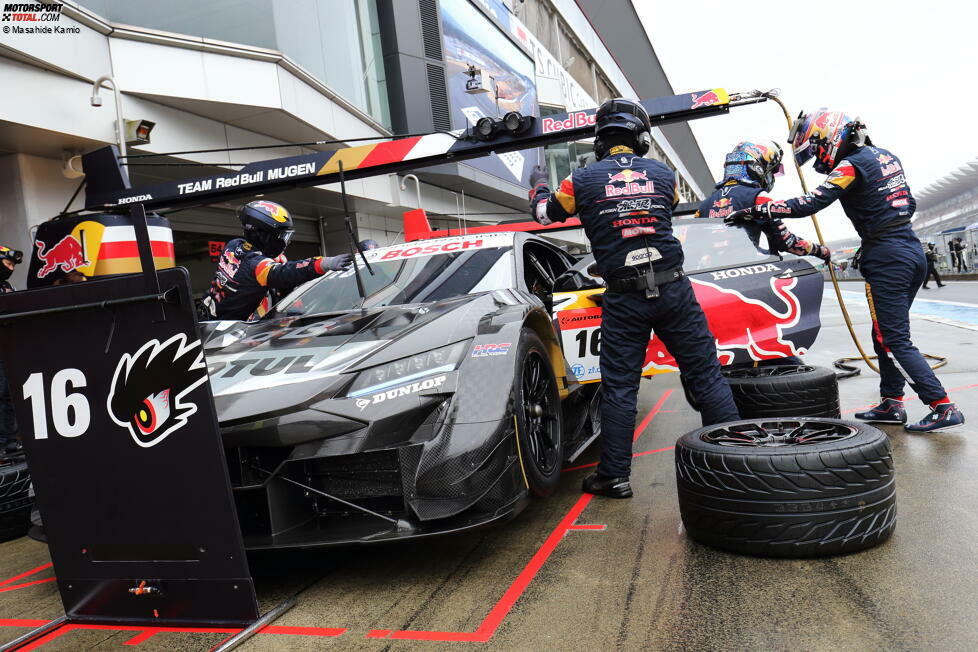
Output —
<point x="627" y="176"/>
<point x="723" y="202"/>
<point x="631" y="186"/>
<point x="575" y="120"/>
<point x="68" y="254"/>
<point x="706" y="99"/>
<point x="740" y="324"/>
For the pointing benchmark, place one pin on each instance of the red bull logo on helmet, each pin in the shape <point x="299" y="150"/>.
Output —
<point x="67" y="255"/>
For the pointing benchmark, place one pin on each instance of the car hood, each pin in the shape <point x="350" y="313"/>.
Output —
<point x="280" y="364"/>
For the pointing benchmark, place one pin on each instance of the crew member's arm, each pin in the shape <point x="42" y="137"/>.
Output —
<point x="834" y="186"/>
<point x="547" y="206"/>
<point x="285" y="276"/>
<point x="784" y="240"/>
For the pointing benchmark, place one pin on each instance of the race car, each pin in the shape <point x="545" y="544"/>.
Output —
<point x="460" y="386"/>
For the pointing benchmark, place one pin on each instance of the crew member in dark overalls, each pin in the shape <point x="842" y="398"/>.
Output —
<point x="870" y="184"/>
<point x="250" y="268"/>
<point x="748" y="175"/>
<point x="625" y="204"/>
<point x="931" y="256"/>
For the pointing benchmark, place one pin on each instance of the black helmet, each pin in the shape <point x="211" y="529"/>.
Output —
<point x="267" y="225"/>
<point x="622" y="115"/>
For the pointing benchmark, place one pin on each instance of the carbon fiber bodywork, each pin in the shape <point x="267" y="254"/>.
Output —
<point x="321" y="452"/>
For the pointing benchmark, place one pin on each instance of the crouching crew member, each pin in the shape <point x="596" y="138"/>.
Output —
<point x="253" y="266"/>
<point x="625" y="204"/>
<point x="748" y="175"/>
<point x="870" y="184"/>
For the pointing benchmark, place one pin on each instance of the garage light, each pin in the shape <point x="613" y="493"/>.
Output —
<point x="516" y="123"/>
<point x="137" y="131"/>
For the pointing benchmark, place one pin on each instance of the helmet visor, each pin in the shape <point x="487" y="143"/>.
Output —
<point x="286" y="235"/>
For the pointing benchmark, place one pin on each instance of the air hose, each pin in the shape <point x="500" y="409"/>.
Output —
<point x="847" y="370"/>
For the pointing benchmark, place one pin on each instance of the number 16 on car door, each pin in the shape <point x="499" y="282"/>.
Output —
<point x="580" y="332"/>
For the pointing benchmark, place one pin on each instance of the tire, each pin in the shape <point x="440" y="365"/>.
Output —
<point x="536" y="404"/>
<point x="787" y="498"/>
<point x="15" y="501"/>
<point x="784" y="391"/>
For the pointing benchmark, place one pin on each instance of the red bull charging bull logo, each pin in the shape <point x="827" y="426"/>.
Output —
<point x="706" y="99"/>
<point x="632" y="186"/>
<point x="740" y="324"/>
<point x="67" y="255"/>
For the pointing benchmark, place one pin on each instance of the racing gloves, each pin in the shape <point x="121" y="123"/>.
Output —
<point x="538" y="186"/>
<point x="759" y="213"/>
<point x="333" y="263"/>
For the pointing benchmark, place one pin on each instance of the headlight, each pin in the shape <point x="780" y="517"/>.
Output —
<point x="408" y="369"/>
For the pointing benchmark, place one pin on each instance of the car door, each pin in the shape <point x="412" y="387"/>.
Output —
<point x="759" y="305"/>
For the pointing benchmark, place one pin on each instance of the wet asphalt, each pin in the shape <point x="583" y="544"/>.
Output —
<point x="629" y="579"/>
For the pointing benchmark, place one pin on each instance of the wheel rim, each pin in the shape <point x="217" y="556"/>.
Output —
<point x="776" y="434"/>
<point x="539" y="417"/>
<point x="767" y="372"/>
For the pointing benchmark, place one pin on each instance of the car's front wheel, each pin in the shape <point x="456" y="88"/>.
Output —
<point x="536" y="405"/>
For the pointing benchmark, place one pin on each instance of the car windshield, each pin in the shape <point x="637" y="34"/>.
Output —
<point x="404" y="279"/>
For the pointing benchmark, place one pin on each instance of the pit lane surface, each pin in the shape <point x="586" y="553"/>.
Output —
<point x="579" y="573"/>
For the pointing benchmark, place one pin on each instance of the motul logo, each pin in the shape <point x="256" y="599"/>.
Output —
<point x="575" y="120"/>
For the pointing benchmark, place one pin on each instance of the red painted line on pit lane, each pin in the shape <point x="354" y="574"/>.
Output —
<point x="20" y="586"/>
<point x="912" y="397"/>
<point x="482" y="634"/>
<point x="26" y="573"/>
<point x="593" y="464"/>
<point x="651" y="415"/>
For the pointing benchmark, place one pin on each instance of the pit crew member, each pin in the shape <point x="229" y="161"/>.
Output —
<point x="748" y="175"/>
<point x="625" y="204"/>
<point x="870" y="184"/>
<point x="9" y="259"/>
<point x="253" y="266"/>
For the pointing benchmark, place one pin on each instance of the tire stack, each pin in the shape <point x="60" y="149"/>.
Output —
<point x="787" y="487"/>
<point x="15" y="499"/>
<point x="784" y="391"/>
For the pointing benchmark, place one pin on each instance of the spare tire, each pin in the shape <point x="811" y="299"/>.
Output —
<point x="784" y="391"/>
<point x="787" y="487"/>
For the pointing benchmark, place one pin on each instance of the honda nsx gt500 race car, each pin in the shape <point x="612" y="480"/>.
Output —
<point x="460" y="386"/>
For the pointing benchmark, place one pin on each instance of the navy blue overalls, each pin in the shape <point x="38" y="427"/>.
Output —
<point x="873" y="190"/>
<point x="625" y="205"/>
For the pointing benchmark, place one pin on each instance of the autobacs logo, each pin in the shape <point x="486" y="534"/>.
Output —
<point x="148" y="388"/>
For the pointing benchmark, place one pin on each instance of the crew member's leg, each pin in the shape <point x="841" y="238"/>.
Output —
<point x="681" y="325"/>
<point x="625" y="329"/>
<point x="890" y="289"/>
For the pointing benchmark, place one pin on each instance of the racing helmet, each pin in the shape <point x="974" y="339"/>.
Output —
<point x="757" y="161"/>
<point x="618" y="115"/>
<point x="267" y="225"/>
<point x="14" y="256"/>
<point x="827" y="136"/>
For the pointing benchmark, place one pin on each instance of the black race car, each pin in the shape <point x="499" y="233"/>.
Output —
<point x="459" y="387"/>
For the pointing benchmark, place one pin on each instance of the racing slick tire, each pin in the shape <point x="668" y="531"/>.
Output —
<point x="787" y="487"/>
<point x="784" y="391"/>
<point x="15" y="499"/>
<point x="536" y="405"/>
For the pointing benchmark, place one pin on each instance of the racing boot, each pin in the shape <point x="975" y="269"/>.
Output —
<point x="943" y="416"/>
<point x="890" y="410"/>
<point x="607" y="487"/>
